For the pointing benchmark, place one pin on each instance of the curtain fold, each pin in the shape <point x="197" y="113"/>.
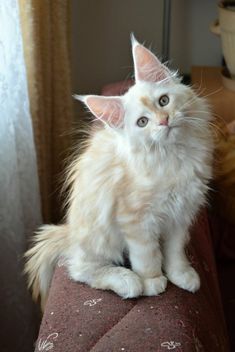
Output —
<point x="19" y="188"/>
<point x="45" y="26"/>
<point x="35" y="108"/>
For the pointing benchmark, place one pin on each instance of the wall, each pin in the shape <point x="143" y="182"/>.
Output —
<point x="100" y="37"/>
<point x="101" y="50"/>
<point x="192" y="43"/>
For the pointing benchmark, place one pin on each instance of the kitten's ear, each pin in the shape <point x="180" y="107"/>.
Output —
<point x="147" y="66"/>
<point x="106" y="109"/>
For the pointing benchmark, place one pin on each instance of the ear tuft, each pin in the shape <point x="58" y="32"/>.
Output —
<point x="79" y="97"/>
<point x="147" y="66"/>
<point x="134" y="41"/>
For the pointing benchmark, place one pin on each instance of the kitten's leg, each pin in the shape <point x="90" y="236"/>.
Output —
<point x="146" y="261"/>
<point x="176" y="265"/>
<point x="102" y="276"/>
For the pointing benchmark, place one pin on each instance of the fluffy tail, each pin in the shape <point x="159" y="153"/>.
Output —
<point x="49" y="244"/>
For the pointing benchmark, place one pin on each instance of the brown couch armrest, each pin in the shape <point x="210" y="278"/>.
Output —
<point x="80" y="319"/>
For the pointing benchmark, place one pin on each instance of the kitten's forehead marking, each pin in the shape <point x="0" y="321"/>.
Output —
<point x="148" y="103"/>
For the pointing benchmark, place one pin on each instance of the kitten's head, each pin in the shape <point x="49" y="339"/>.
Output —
<point x="157" y="109"/>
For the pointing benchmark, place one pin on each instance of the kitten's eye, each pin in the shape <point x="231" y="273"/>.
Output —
<point x="164" y="100"/>
<point x="142" y="121"/>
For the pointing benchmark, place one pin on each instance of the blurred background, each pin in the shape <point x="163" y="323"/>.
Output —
<point x="50" y="50"/>
<point x="100" y="33"/>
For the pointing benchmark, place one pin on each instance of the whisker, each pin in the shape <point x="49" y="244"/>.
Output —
<point x="199" y="89"/>
<point x="201" y="111"/>
<point x="214" y="92"/>
<point x="191" y="100"/>
<point x="206" y="112"/>
<point x="187" y="102"/>
<point x="203" y="124"/>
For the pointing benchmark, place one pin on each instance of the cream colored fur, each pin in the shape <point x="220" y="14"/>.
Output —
<point x="132" y="189"/>
<point x="49" y="242"/>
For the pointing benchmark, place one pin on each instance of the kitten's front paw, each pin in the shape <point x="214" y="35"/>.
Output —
<point x="188" y="279"/>
<point x="128" y="285"/>
<point x="154" y="286"/>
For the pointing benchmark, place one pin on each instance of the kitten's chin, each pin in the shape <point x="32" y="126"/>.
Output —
<point x="167" y="135"/>
<point x="165" y="132"/>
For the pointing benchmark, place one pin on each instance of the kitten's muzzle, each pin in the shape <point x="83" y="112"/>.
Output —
<point x="164" y="121"/>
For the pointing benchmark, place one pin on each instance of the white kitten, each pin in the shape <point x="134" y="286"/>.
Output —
<point x="142" y="178"/>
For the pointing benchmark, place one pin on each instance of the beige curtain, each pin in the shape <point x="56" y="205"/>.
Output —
<point x="45" y="27"/>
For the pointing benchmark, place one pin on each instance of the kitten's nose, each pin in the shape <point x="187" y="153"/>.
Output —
<point x="164" y="121"/>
